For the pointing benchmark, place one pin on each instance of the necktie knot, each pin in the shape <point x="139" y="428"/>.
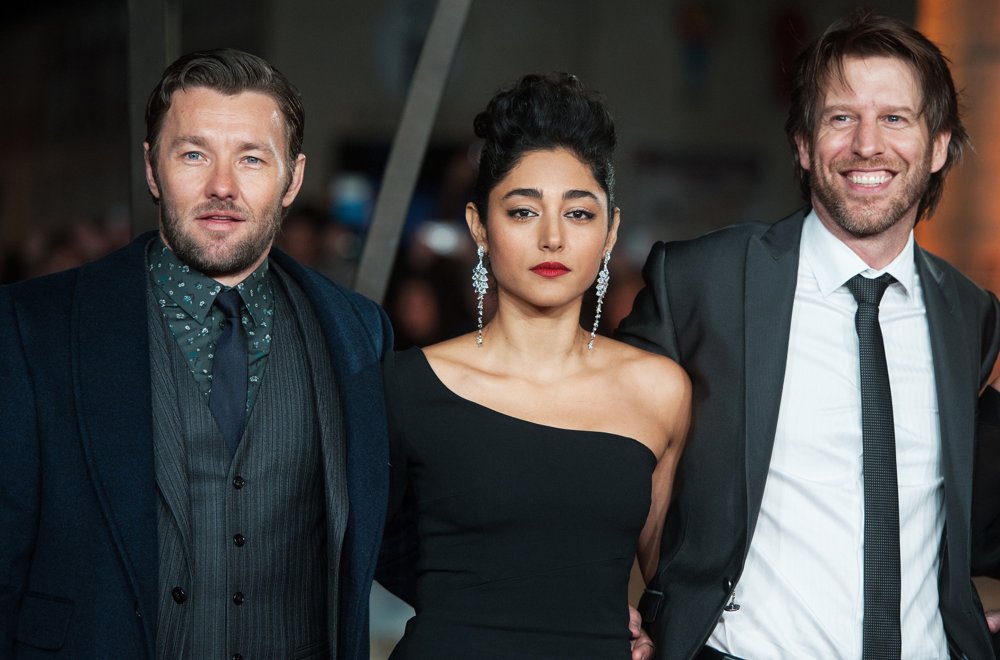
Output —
<point x="228" y="303"/>
<point x="869" y="290"/>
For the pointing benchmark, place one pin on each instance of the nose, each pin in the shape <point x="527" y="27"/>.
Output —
<point x="550" y="232"/>
<point x="221" y="182"/>
<point x="868" y="140"/>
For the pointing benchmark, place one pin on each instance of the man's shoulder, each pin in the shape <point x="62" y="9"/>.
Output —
<point x="320" y="287"/>
<point x="730" y="241"/>
<point x="43" y="289"/>
<point x="730" y="235"/>
<point x="345" y="313"/>
<point x="105" y="277"/>
<point x="941" y="270"/>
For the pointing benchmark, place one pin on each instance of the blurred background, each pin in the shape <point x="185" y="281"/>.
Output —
<point x="697" y="88"/>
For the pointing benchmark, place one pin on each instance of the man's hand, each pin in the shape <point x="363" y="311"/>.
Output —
<point x="643" y="647"/>
<point x="992" y="621"/>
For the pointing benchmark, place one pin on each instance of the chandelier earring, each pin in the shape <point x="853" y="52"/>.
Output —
<point x="480" y="285"/>
<point x="602" y="288"/>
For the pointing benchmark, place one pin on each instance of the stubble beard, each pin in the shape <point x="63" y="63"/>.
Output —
<point x="219" y="256"/>
<point x="863" y="218"/>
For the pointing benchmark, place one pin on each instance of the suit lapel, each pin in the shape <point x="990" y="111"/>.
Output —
<point x="112" y="389"/>
<point x="955" y="371"/>
<point x="355" y="349"/>
<point x="771" y="275"/>
<point x="168" y="447"/>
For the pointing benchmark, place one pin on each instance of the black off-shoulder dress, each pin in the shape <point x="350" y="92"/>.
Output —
<point x="526" y="533"/>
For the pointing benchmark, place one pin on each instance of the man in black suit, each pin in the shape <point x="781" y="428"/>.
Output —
<point x="194" y="448"/>
<point x="764" y="552"/>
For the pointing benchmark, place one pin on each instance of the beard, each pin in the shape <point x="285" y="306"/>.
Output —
<point x="220" y="256"/>
<point x="869" y="217"/>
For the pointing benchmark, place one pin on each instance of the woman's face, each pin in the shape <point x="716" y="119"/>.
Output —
<point x="547" y="229"/>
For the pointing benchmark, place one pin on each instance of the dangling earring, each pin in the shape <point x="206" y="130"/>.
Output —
<point x="480" y="285"/>
<point x="602" y="288"/>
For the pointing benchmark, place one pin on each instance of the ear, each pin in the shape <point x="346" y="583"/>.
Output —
<point x="154" y="189"/>
<point x="609" y="243"/>
<point x="939" y="150"/>
<point x="476" y="226"/>
<point x="803" y="148"/>
<point x="298" y="173"/>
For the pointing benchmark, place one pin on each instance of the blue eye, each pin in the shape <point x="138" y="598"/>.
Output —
<point x="192" y="155"/>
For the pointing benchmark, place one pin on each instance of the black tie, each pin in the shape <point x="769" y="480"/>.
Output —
<point x="228" y="399"/>
<point x="881" y="630"/>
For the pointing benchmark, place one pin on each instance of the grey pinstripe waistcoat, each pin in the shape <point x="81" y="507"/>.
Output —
<point x="269" y="594"/>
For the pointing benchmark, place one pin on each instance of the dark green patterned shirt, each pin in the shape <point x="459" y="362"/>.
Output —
<point x="186" y="297"/>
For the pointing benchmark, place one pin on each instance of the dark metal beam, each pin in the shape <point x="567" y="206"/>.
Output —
<point x="153" y="42"/>
<point x="409" y="147"/>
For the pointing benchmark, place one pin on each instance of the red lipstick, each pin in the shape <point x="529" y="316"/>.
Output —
<point x="549" y="269"/>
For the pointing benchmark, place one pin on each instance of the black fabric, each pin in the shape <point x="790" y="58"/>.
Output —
<point x="286" y="548"/>
<point x="708" y="653"/>
<point x="526" y="532"/>
<point x="78" y="511"/>
<point x="729" y="331"/>
<point x="228" y="400"/>
<point x="881" y="637"/>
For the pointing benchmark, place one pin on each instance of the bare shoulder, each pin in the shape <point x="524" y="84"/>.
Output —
<point x="646" y="373"/>
<point x="656" y="393"/>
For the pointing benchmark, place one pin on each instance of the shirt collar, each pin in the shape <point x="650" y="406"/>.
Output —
<point x="195" y="292"/>
<point x="833" y="263"/>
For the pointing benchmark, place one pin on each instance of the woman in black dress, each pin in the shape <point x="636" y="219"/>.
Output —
<point x="535" y="458"/>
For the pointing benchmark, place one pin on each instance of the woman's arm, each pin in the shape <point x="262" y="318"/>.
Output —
<point x="669" y="392"/>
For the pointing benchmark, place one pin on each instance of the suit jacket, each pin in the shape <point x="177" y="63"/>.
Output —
<point x="78" y="547"/>
<point x="721" y="306"/>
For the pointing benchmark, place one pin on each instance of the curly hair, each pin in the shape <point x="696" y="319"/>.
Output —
<point x="541" y="112"/>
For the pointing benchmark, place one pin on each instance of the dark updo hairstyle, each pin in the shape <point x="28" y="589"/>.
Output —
<point x="542" y="112"/>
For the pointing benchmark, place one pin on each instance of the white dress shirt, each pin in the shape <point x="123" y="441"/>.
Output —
<point x="801" y="594"/>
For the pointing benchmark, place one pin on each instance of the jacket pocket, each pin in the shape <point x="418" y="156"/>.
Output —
<point x="44" y="621"/>
<point x="313" y="651"/>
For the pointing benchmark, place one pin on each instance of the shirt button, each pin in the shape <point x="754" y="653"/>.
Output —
<point x="237" y="656"/>
<point x="179" y="595"/>
<point x="239" y="540"/>
<point x="239" y="482"/>
<point x="238" y="598"/>
<point x="138" y="611"/>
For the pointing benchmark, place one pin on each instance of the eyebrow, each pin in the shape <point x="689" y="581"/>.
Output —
<point x="195" y="140"/>
<point x="535" y="193"/>
<point x="199" y="141"/>
<point x="579" y="194"/>
<point x="895" y="109"/>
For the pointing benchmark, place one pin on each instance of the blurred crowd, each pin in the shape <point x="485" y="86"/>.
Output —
<point x="49" y="249"/>
<point x="429" y="297"/>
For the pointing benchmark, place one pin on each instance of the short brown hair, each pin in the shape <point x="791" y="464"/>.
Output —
<point x="227" y="71"/>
